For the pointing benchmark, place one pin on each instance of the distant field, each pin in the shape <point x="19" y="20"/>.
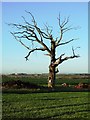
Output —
<point x="46" y="106"/>
<point x="42" y="79"/>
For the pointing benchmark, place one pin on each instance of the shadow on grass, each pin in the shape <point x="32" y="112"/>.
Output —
<point x="23" y="87"/>
<point x="43" y="90"/>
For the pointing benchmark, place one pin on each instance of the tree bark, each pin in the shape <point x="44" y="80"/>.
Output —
<point x="52" y="74"/>
<point x="52" y="77"/>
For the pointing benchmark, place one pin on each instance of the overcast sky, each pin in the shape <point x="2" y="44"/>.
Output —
<point x="14" y="53"/>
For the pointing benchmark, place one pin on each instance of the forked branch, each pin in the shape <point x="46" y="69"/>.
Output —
<point x="61" y="59"/>
<point x="63" y="28"/>
<point x="19" y="40"/>
<point x="64" y="43"/>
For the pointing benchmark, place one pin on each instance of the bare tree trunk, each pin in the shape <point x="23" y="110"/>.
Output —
<point x="52" y="77"/>
<point x="52" y="74"/>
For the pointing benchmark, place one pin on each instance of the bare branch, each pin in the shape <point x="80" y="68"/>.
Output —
<point x="60" y="56"/>
<point x="70" y="57"/>
<point x="27" y="22"/>
<point x="41" y="49"/>
<point x="59" y="21"/>
<point x="29" y="37"/>
<point x="66" y="20"/>
<point x="49" y="31"/>
<point x="63" y="29"/>
<point x="35" y="26"/>
<point x="61" y="35"/>
<point x="68" y="29"/>
<point x="33" y="20"/>
<point x="31" y="34"/>
<point x="73" y="50"/>
<point x="48" y="55"/>
<point x="66" y="42"/>
<point x="40" y="32"/>
<point x="18" y="26"/>
<point x="60" y="59"/>
<point x="20" y="41"/>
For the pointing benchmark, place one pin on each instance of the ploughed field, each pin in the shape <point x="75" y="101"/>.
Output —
<point x="35" y="101"/>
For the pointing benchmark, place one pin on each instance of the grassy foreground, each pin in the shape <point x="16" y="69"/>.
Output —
<point x="41" y="104"/>
<point x="47" y="106"/>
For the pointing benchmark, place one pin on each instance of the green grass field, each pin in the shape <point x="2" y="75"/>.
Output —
<point x="54" y="105"/>
<point x="25" y="104"/>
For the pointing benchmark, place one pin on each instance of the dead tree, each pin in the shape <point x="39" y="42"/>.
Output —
<point x="34" y="34"/>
